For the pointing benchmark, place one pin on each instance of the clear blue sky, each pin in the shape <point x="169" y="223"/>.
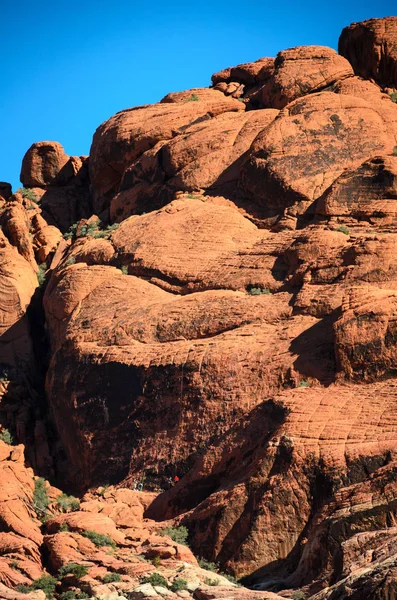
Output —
<point x="68" y="66"/>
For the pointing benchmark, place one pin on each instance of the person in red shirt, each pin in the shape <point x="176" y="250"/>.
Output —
<point x="176" y="479"/>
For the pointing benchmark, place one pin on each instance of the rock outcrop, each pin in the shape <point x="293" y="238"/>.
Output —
<point x="371" y="49"/>
<point x="205" y="308"/>
<point x="301" y="71"/>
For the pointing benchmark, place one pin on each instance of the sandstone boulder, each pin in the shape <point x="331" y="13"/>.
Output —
<point x="5" y="190"/>
<point x="368" y="192"/>
<point x="124" y="137"/>
<point x="246" y="73"/>
<point x="18" y="283"/>
<point x="82" y="522"/>
<point x="308" y="146"/>
<point x="301" y="71"/>
<point x="371" y="48"/>
<point x="208" y="155"/>
<point x="42" y="163"/>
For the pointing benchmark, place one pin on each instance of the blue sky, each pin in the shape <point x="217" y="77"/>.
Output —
<point x="68" y="66"/>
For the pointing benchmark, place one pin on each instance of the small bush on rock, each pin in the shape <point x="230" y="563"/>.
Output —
<point x="178" y="585"/>
<point x="232" y="578"/>
<point x="207" y="565"/>
<point x="68" y="503"/>
<point x="299" y="595"/>
<point x="40" y="497"/>
<point x="41" y="273"/>
<point x="212" y="582"/>
<point x="71" y="595"/>
<point x="47" y="583"/>
<point x="304" y="384"/>
<point x="343" y="229"/>
<point x="395" y="150"/>
<point x="6" y="437"/>
<point x="71" y="233"/>
<point x="22" y="588"/>
<point x="393" y="97"/>
<point x="177" y="534"/>
<point x="156" y="561"/>
<point x="257" y="291"/>
<point x="156" y="579"/>
<point x="75" y="569"/>
<point x="99" y="539"/>
<point x="14" y="565"/>
<point x="28" y="194"/>
<point x="111" y="578"/>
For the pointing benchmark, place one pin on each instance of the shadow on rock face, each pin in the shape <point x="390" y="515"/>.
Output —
<point x="315" y="347"/>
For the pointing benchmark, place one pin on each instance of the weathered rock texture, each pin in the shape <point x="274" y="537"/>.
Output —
<point x="219" y="324"/>
<point x="58" y="182"/>
<point x="37" y="540"/>
<point x="301" y="71"/>
<point x="371" y="48"/>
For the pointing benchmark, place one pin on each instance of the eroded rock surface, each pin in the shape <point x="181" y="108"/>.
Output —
<point x="371" y="48"/>
<point x="205" y="307"/>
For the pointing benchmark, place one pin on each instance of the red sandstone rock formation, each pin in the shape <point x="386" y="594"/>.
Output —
<point x="371" y="48"/>
<point x="301" y="71"/>
<point x="224" y="312"/>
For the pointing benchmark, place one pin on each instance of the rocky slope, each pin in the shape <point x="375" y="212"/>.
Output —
<point x="211" y="294"/>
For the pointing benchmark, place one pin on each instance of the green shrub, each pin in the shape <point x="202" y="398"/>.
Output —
<point x="156" y="579"/>
<point x="73" y="568"/>
<point x="68" y="503"/>
<point x="99" y="539"/>
<point x="71" y="233"/>
<point x="104" y="489"/>
<point x="304" y="384"/>
<point x="124" y="270"/>
<point x="28" y="194"/>
<point x="14" y="565"/>
<point x="111" y="228"/>
<point x="111" y="578"/>
<point x="22" y="588"/>
<point x="178" y="585"/>
<point x="395" y="150"/>
<point x="343" y="229"/>
<point x="298" y="595"/>
<point x="41" y="273"/>
<point x="70" y="261"/>
<point x="230" y="578"/>
<point x="212" y="582"/>
<point x="207" y="565"/>
<point x="193" y="98"/>
<point x="71" y="595"/>
<point x="177" y="534"/>
<point x="393" y="97"/>
<point x="156" y="561"/>
<point x="40" y="497"/>
<point x="47" y="583"/>
<point x="257" y="291"/>
<point x="88" y="229"/>
<point x="63" y="527"/>
<point x="5" y="436"/>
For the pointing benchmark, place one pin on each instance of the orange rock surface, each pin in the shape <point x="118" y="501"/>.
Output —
<point x="371" y="48"/>
<point x="205" y="308"/>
